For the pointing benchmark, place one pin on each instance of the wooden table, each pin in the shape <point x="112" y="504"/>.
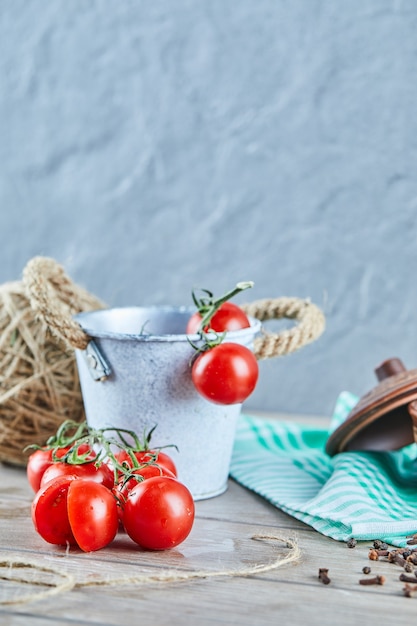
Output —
<point x="221" y="541"/>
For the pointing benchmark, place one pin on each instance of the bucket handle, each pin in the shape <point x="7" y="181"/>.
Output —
<point x="54" y="298"/>
<point x="311" y="324"/>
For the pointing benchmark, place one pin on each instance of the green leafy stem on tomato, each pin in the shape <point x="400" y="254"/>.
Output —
<point x="94" y="453"/>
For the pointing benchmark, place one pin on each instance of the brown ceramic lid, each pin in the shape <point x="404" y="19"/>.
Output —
<point x="383" y="418"/>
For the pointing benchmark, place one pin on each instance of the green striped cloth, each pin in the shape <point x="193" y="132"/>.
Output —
<point x="365" y="495"/>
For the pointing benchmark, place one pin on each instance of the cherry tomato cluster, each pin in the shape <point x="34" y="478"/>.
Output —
<point x="223" y="372"/>
<point x="86" y="492"/>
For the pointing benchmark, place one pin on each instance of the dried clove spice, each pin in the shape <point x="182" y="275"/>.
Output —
<point x="396" y="557"/>
<point x="374" y="555"/>
<point x="376" y="580"/>
<point x="409" y="590"/>
<point x="323" y="575"/>
<point x="412" y="558"/>
<point x="408" y="579"/>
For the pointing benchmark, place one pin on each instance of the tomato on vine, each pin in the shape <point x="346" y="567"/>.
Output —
<point x="72" y="511"/>
<point x="49" y="512"/>
<point x="227" y="318"/>
<point x="226" y="373"/>
<point x="218" y="314"/>
<point x="83" y="495"/>
<point x="159" y="513"/>
<point x="40" y="460"/>
<point x="126" y="483"/>
<point x="223" y="372"/>
<point x="37" y="463"/>
<point x="92" y="514"/>
<point x="146" y="457"/>
<point x="101" y="473"/>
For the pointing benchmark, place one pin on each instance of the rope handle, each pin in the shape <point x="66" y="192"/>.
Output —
<point x="311" y="324"/>
<point x="54" y="298"/>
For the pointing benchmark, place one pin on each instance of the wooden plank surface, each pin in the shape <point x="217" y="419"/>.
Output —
<point x="108" y="590"/>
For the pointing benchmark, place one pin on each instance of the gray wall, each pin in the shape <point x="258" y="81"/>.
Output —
<point x="155" y="146"/>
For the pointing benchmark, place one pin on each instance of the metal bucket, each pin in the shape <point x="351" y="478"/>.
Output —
<point x="135" y="374"/>
<point x="134" y="367"/>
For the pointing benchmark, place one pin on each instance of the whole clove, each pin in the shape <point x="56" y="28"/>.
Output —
<point x="409" y="590"/>
<point x="412" y="558"/>
<point x="396" y="557"/>
<point x="323" y="575"/>
<point x="376" y="580"/>
<point x="408" y="579"/>
<point x="375" y="554"/>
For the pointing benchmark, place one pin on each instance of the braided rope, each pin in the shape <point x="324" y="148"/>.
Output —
<point x="54" y="298"/>
<point x="311" y="325"/>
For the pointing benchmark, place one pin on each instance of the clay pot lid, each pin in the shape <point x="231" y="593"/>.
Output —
<point x="385" y="418"/>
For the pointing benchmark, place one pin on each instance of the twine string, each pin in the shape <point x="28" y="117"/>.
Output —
<point x="66" y="582"/>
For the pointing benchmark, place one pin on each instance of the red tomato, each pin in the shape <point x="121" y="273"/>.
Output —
<point x="148" y="471"/>
<point x="40" y="460"/>
<point x="102" y="474"/>
<point x="148" y="456"/>
<point x="37" y="464"/>
<point x="228" y="317"/>
<point x="92" y="514"/>
<point x="122" y="490"/>
<point x="49" y="512"/>
<point x="159" y="513"/>
<point x="225" y="374"/>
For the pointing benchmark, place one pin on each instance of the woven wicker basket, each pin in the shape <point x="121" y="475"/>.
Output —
<point x="39" y="386"/>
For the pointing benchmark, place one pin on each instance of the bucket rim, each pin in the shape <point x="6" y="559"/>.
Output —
<point x="85" y="319"/>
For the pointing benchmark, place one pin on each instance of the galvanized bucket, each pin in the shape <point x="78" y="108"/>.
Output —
<point x="134" y="369"/>
<point x="137" y="380"/>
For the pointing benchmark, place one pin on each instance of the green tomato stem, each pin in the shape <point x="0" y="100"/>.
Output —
<point x="208" y="310"/>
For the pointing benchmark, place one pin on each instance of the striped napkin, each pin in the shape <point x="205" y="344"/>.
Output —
<point x="365" y="495"/>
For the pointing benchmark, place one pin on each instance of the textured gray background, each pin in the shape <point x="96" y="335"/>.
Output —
<point x="151" y="147"/>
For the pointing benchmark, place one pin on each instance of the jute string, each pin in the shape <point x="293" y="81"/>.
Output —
<point x="13" y="567"/>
